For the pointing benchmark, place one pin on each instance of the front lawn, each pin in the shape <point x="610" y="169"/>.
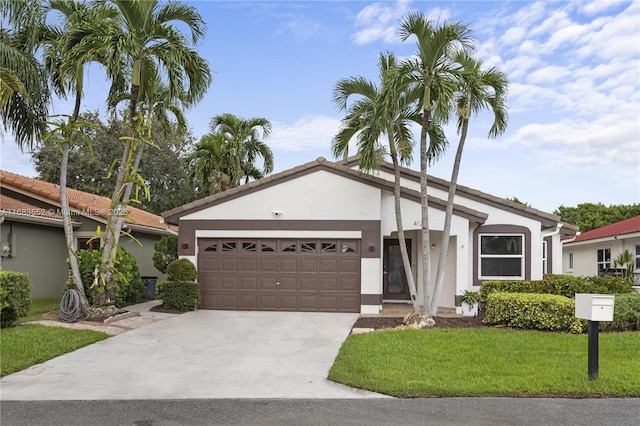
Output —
<point x="25" y="345"/>
<point x="39" y="307"/>
<point x="487" y="362"/>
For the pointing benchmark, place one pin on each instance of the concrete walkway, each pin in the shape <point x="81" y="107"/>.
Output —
<point x="202" y="354"/>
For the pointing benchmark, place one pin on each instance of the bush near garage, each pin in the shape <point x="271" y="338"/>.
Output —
<point x="129" y="284"/>
<point x="626" y="314"/>
<point x="180" y="295"/>
<point x="181" y="270"/>
<point x="533" y="311"/>
<point x="562" y="285"/>
<point x="15" y="296"/>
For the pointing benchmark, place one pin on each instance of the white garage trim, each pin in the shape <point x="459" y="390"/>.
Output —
<point x="211" y="233"/>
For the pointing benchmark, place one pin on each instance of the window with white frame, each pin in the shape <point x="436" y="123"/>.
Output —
<point x="544" y="257"/>
<point x="501" y="256"/>
<point x="604" y="258"/>
<point x="637" y="257"/>
<point x="571" y="261"/>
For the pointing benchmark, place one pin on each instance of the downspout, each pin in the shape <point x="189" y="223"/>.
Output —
<point x="552" y="233"/>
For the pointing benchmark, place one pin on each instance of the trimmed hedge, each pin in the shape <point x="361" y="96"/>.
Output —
<point x="562" y="285"/>
<point x="180" y="295"/>
<point x="533" y="311"/>
<point x="15" y="296"/>
<point x="181" y="270"/>
<point x="626" y="314"/>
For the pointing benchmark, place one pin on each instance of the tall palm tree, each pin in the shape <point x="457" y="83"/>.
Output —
<point x="23" y="81"/>
<point x="209" y="164"/>
<point x="480" y="89"/>
<point x="140" y="41"/>
<point x="244" y="139"/>
<point x="379" y="111"/>
<point x="434" y="70"/>
<point x="67" y="76"/>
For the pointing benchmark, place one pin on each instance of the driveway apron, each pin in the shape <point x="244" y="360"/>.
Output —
<point x="202" y="354"/>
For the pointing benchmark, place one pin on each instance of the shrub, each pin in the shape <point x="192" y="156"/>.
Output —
<point x="15" y="296"/>
<point x="626" y="313"/>
<point x="165" y="251"/>
<point x="180" y="295"/>
<point x="533" y="311"/>
<point x="129" y="284"/>
<point x="181" y="270"/>
<point x="561" y="285"/>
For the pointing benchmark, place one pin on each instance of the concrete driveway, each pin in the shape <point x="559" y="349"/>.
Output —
<point x="202" y="354"/>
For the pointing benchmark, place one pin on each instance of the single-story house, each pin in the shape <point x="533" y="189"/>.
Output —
<point x="593" y="251"/>
<point x="32" y="237"/>
<point x="323" y="237"/>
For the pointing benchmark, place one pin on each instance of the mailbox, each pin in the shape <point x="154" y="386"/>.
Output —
<point x="594" y="307"/>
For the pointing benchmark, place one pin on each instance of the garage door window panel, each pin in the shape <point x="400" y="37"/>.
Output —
<point x="229" y="246"/>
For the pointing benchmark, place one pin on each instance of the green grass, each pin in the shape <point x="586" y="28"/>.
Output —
<point x="487" y="362"/>
<point x="39" y="307"/>
<point x="25" y="345"/>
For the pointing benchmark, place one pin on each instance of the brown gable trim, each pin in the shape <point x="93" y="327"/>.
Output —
<point x="546" y="219"/>
<point x="174" y="215"/>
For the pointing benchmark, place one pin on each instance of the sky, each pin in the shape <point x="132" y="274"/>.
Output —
<point x="574" y="87"/>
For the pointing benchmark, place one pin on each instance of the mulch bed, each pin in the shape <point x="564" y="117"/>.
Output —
<point x="379" y="323"/>
<point x="163" y="309"/>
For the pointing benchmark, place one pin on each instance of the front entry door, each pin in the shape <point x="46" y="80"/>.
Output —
<point x="395" y="280"/>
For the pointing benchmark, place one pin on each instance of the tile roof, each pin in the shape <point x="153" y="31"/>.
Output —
<point x="627" y="226"/>
<point x="84" y="203"/>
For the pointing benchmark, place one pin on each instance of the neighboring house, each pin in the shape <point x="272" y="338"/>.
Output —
<point x="32" y="237"/>
<point x="322" y="237"/>
<point x="594" y="251"/>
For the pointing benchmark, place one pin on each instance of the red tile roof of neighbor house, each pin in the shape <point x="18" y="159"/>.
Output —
<point x="627" y="226"/>
<point x="82" y="203"/>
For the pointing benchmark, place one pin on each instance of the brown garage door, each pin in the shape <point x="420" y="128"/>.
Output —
<point x="280" y="275"/>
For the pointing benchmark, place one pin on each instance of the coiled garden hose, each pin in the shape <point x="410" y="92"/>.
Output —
<point x="70" y="306"/>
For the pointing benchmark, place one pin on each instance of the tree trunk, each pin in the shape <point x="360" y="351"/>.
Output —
<point x="112" y="232"/>
<point x="446" y="232"/>
<point x="128" y="189"/>
<point x="406" y="262"/>
<point x="76" y="277"/>
<point x="424" y="204"/>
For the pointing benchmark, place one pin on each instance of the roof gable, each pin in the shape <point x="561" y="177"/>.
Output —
<point x="547" y="219"/>
<point x="83" y="203"/>
<point x="627" y="226"/>
<point x="172" y="216"/>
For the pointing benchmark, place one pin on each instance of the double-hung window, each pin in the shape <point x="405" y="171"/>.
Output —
<point x="501" y="256"/>
<point x="638" y="257"/>
<point x="604" y="259"/>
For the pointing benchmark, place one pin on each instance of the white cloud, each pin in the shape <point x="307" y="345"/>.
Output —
<point x="307" y="133"/>
<point x="379" y="21"/>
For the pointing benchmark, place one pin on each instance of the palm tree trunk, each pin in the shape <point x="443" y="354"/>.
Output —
<point x="66" y="214"/>
<point x="128" y="189"/>
<point x="444" y="244"/>
<point x="114" y="224"/>
<point x="406" y="262"/>
<point x="424" y="204"/>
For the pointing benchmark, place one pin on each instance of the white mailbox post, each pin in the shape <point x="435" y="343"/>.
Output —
<point x="595" y="308"/>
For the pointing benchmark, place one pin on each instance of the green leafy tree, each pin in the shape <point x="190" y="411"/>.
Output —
<point x="588" y="216"/>
<point x="379" y="112"/>
<point x="163" y="165"/>
<point x="245" y="145"/>
<point x="165" y="251"/>
<point x="435" y="71"/>
<point x="479" y="89"/>
<point x="211" y="165"/>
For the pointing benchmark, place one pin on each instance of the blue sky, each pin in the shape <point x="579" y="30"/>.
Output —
<point x="574" y="95"/>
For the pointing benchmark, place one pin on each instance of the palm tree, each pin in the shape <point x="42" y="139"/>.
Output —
<point x="67" y="76"/>
<point x="480" y="89"/>
<point x="138" y="42"/>
<point x="378" y="112"/>
<point x="245" y="144"/>
<point x="434" y="70"/>
<point x="209" y="164"/>
<point x="25" y="94"/>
